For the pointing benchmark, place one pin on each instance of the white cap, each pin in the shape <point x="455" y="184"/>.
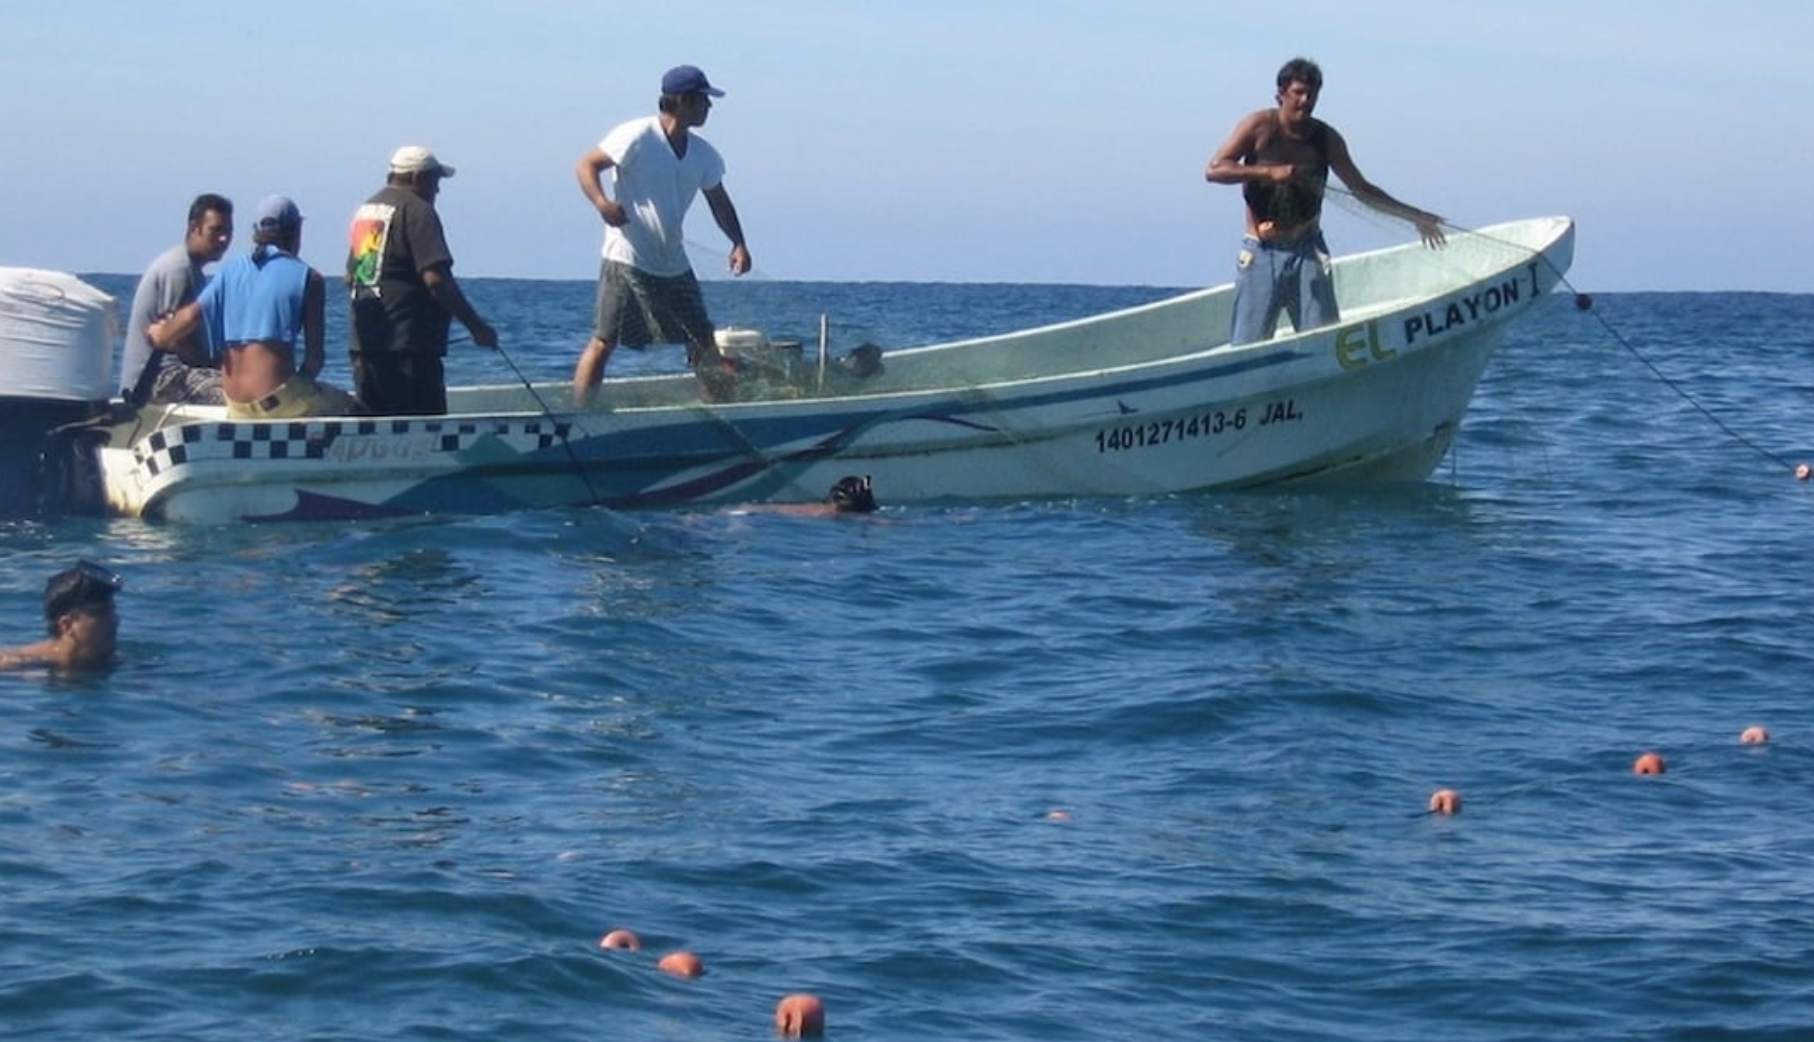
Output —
<point x="415" y="159"/>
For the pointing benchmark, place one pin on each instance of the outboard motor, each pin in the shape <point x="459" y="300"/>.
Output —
<point x="57" y="335"/>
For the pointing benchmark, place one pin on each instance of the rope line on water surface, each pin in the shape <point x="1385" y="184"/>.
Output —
<point x="1584" y="302"/>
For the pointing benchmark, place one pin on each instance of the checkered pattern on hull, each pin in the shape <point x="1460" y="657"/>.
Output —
<point x="173" y="447"/>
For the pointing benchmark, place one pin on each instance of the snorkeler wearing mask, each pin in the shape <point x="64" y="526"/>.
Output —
<point x="83" y="624"/>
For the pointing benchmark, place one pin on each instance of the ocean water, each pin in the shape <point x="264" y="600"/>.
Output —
<point x="1080" y="769"/>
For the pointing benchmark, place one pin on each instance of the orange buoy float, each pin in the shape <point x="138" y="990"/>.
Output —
<point x="1754" y="735"/>
<point x="800" y="1016"/>
<point x="1803" y="472"/>
<point x="1058" y="814"/>
<point x="681" y="964"/>
<point x="1649" y="763"/>
<point x="1445" y="801"/>
<point x="621" y="939"/>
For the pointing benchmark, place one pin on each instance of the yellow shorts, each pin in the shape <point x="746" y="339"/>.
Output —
<point x="301" y="396"/>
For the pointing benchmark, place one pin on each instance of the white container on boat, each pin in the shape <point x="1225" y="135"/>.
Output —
<point x="57" y="335"/>
<point x="733" y="341"/>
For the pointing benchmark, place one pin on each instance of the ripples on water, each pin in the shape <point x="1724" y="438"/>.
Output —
<point x="393" y="781"/>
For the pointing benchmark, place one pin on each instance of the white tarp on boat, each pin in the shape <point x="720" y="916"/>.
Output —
<point x="57" y="335"/>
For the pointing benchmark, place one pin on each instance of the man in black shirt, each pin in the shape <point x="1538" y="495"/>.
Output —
<point x="405" y="296"/>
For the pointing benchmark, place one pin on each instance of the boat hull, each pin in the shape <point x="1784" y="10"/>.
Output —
<point x="1147" y="401"/>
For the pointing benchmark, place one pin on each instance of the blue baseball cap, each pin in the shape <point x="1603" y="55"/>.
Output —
<point x="687" y="79"/>
<point x="277" y="213"/>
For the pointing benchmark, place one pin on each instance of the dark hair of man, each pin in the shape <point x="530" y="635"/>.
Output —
<point x="409" y="179"/>
<point x="670" y="103"/>
<point x="283" y="238"/>
<point x="207" y="203"/>
<point x="1300" y="70"/>
<point x="73" y="591"/>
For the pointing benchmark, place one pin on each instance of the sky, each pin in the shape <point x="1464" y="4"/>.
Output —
<point x="1056" y="141"/>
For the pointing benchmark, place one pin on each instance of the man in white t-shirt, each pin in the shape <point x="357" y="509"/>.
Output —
<point x="647" y="292"/>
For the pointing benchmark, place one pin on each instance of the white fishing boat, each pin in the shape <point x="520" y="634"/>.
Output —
<point x="1143" y="401"/>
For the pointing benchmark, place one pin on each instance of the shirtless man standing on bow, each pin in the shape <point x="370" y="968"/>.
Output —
<point x="1281" y="158"/>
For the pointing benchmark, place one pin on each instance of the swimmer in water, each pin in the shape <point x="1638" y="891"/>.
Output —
<point x="850" y="495"/>
<point x="83" y="624"/>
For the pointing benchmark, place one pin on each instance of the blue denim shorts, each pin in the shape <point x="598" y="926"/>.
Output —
<point x="1295" y="278"/>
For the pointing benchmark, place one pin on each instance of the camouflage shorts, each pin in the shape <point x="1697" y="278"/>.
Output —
<point x="636" y="309"/>
<point x="179" y="384"/>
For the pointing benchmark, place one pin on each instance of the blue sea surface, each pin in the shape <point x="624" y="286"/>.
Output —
<point x="1076" y="769"/>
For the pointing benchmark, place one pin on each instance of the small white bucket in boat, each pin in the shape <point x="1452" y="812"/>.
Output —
<point x="734" y="342"/>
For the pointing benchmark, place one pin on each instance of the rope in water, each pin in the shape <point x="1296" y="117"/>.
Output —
<point x="1585" y="302"/>
<point x="560" y="429"/>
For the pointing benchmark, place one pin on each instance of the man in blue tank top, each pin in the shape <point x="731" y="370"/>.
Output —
<point x="257" y="308"/>
<point x="1281" y="157"/>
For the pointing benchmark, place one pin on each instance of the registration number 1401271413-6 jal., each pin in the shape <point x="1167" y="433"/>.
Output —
<point x="1143" y="435"/>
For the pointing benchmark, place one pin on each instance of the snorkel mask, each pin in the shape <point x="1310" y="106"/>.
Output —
<point x="853" y="495"/>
